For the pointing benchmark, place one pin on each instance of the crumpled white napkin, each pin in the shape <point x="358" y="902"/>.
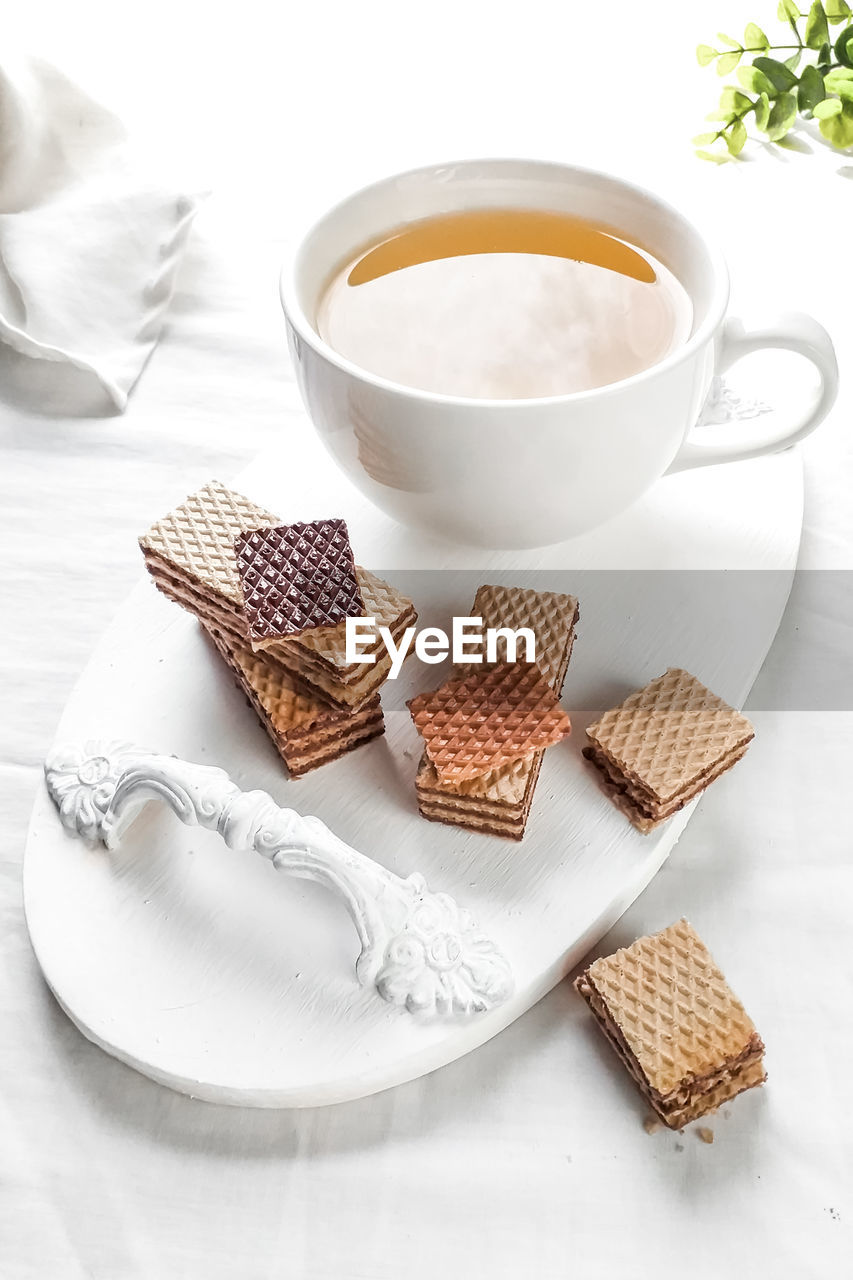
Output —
<point x="89" y="244"/>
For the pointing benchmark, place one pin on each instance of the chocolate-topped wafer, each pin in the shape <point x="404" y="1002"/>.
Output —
<point x="498" y="803"/>
<point x="474" y="725"/>
<point x="678" y="1027"/>
<point x="664" y="744"/>
<point x="296" y="578"/>
<point x="307" y="732"/>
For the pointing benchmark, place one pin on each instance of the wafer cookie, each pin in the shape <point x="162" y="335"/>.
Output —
<point x="678" y="1028"/>
<point x="498" y="803"/>
<point x="665" y="744"/>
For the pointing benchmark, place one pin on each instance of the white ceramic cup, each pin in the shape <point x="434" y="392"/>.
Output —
<point x="526" y="473"/>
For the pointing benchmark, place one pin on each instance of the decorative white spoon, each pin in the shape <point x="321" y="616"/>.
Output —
<point x="419" y="949"/>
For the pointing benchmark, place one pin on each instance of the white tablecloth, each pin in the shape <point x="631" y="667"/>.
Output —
<point x="528" y="1158"/>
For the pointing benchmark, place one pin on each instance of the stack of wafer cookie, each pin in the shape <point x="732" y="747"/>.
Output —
<point x="679" y="1029"/>
<point x="663" y="745"/>
<point x="190" y="554"/>
<point x="314" y="704"/>
<point x="498" y="802"/>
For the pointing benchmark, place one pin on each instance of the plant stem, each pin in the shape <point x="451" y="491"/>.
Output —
<point x="721" y="133"/>
<point x="763" y="48"/>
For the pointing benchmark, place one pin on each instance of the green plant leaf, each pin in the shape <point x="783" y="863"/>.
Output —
<point x="780" y="76"/>
<point x="844" y="47"/>
<point x="783" y="113"/>
<point x="754" y="80"/>
<point x="810" y="90"/>
<point x="828" y="108"/>
<point x="728" y="61"/>
<point x="817" y="27"/>
<point x="776" y="89"/>
<point x="762" y="112"/>
<point x="736" y="138"/>
<point x="732" y="100"/>
<point x="838" y="128"/>
<point x="837" y="11"/>
<point x="754" y="37"/>
<point x="840" y="81"/>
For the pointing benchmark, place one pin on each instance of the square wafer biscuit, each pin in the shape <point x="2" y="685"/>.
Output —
<point x="475" y="725"/>
<point x="664" y="744"/>
<point x="306" y="731"/>
<point x="676" y="1024"/>
<point x="550" y="615"/>
<point x="197" y="540"/>
<point x="499" y="803"/>
<point x="190" y="555"/>
<point x="296" y="578"/>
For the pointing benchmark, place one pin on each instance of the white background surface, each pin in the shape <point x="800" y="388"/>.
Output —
<point x="528" y="1157"/>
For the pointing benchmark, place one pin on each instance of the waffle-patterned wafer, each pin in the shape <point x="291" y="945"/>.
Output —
<point x="477" y="724"/>
<point x="197" y="539"/>
<point x="550" y="615"/>
<point x="306" y="731"/>
<point x="675" y="1023"/>
<point x="664" y="744"/>
<point x="296" y="578"/>
<point x="190" y="555"/>
<point x="498" y="803"/>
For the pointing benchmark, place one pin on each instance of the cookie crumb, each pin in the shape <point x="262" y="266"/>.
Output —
<point x="705" y="1135"/>
<point x="651" y="1124"/>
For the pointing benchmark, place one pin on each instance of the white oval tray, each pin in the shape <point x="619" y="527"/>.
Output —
<point x="207" y="972"/>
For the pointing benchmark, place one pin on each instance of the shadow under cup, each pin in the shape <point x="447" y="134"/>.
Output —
<point x="503" y="473"/>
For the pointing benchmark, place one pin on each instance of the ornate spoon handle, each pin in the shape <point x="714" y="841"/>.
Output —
<point x="419" y="949"/>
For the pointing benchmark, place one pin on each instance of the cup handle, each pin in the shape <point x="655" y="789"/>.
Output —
<point x="792" y="331"/>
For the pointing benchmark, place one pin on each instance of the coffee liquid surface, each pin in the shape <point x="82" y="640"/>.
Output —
<point x="504" y="304"/>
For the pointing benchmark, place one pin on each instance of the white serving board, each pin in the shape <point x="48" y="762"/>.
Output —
<point x="211" y="974"/>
